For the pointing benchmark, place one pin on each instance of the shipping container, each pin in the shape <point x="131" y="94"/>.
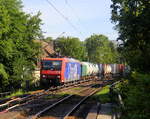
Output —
<point x="89" y="68"/>
<point x="107" y="68"/>
<point x="83" y="69"/>
<point x="96" y="69"/>
<point x="121" y="68"/>
<point x="100" y="67"/>
<point x="114" y="69"/>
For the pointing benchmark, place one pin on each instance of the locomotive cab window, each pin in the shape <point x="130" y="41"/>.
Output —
<point x="54" y="65"/>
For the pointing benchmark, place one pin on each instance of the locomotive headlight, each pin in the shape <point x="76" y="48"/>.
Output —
<point x="44" y="76"/>
<point x="58" y="76"/>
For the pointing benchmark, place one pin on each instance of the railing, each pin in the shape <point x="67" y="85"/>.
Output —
<point x="116" y="99"/>
<point x="112" y="88"/>
<point x="4" y="94"/>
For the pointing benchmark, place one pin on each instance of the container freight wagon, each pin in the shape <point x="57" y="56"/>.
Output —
<point x="101" y="69"/>
<point x="107" y="69"/>
<point x="127" y="69"/>
<point x="84" y="69"/>
<point x="121" y="69"/>
<point x="117" y="69"/>
<point x="89" y="69"/>
<point x="114" y="69"/>
<point x="95" y="69"/>
<point x="56" y="71"/>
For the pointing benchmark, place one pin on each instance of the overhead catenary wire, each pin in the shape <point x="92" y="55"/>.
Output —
<point x="76" y="15"/>
<point x="64" y="17"/>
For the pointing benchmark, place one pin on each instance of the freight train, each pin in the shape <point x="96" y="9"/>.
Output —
<point x="56" y="71"/>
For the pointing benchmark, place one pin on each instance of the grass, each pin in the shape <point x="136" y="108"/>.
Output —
<point x="77" y="88"/>
<point x="103" y="95"/>
<point x="56" y="96"/>
<point x="21" y="92"/>
<point x="17" y="93"/>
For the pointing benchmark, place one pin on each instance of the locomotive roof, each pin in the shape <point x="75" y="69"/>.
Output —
<point x="65" y="59"/>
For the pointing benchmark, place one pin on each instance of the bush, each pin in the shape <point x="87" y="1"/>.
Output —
<point x="136" y="97"/>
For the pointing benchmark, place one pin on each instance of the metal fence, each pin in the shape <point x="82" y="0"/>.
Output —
<point x="4" y="94"/>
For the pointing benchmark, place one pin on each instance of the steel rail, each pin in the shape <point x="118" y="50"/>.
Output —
<point x="37" y="95"/>
<point x="14" y="106"/>
<point x="53" y="105"/>
<point x="78" y="105"/>
<point x="19" y="100"/>
<point x="49" y="107"/>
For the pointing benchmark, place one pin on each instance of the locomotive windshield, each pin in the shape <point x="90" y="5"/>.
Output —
<point x="54" y="65"/>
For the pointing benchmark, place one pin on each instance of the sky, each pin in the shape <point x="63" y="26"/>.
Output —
<point x="79" y="18"/>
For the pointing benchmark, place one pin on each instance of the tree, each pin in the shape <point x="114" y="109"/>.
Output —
<point x="100" y="49"/>
<point x="133" y="24"/>
<point x="69" y="46"/>
<point x="18" y="30"/>
<point x="48" y="39"/>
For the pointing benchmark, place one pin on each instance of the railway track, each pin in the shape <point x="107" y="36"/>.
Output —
<point x="78" y="105"/>
<point x="66" y="107"/>
<point x="40" y="104"/>
<point x="24" y="96"/>
<point x="25" y="100"/>
<point x="36" y="105"/>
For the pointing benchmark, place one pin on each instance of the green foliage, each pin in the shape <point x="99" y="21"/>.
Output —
<point x="132" y="22"/>
<point x="103" y="95"/>
<point x="3" y="77"/>
<point x="136" y="97"/>
<point x="18" y="50"/>
<point x="100" y="49"/>
<point x="3" y="72"/>
<point x="73" y="47"/>
<point x="48" y="39"/>
<point x="97" y="49"/>
<point x="17" y="93"/>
